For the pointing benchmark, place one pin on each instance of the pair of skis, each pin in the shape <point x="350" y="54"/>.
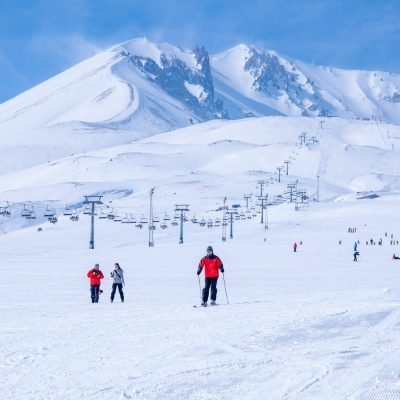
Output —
<point x="212" y="305"/>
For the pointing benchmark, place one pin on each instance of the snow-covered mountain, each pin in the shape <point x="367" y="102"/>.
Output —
<point x="139" y="88"/>
<point x="264" y="82"/>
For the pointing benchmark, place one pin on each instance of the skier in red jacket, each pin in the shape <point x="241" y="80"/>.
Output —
<point x="212" y="265"/>
<point x="95" y="276"/>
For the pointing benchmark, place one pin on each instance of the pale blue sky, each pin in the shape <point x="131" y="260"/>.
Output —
<point x="39" y="38"/>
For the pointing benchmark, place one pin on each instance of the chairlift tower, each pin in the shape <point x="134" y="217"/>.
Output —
<point x="224" y="221"/>
<point x="290" y="187"/>
<point x="261" y="183"/>
<point x="92" y="201"/>
<point x="287" y="162"/>
<point x="247" y="197"/>
<point x="151" y="219"/>
<point x="182" y="208"/>
<point x="263" y="200"/>
<point x="231" y="213"/>
<point x="279" y="173"/>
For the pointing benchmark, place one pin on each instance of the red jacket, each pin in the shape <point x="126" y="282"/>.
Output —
<point x="211" y="264"/>
<point x="95" y="276"/>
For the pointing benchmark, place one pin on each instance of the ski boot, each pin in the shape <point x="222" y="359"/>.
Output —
<point x="213" y="303"/>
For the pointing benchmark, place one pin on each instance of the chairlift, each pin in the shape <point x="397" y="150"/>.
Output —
<point x="32" y="215"/>
<point x="143" y="220"/>
<point x="167" y="217"/>
<point x="117" y="218"/>
<point x="174" y="222"/>
<point x="87" y="211"/>
<point x="53" y="219"/>
<point x="156" y="220"/>
<point x="202" y="222"/>
<point x="26" y="212"/>
<point x="49" y="213"/>
<point x="102" y="214"/>
<point x="125" y="220"/>
<point x="67" y="212"/>
<point x="139" y="225"/>
<point x="164" y="226"/>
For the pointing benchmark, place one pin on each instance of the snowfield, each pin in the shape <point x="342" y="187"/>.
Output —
<point x="306" y="325"/>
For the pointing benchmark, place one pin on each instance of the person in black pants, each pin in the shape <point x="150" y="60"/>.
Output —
<point x="95" y="276"/>
<point x="118" y="282"/>
<point x="211" y="264"/>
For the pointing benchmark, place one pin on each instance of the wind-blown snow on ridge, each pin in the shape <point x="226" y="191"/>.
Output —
<point x="292" y="87"/>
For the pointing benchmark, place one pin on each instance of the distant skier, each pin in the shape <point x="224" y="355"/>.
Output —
<point x="340" y="242"/>
<point x="212" y="265"/>
<point x="355" y="246"/>
<point x="118" y="282"/>
<point x="95" y="276"/>
<point x="356" y="253"/>
<point x="295" y="247"/>
<point x="395" y="257"/>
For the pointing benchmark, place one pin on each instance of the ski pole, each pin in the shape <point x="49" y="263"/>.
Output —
<point x="226" y="293"/>
<point x="198" y="277"/>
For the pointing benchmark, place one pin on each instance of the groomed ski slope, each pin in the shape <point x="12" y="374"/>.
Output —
<point x="310" y="325"/>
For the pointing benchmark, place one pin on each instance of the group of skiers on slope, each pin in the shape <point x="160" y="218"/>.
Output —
<point x="211" y="264"/>
<point x="95" y="276"/>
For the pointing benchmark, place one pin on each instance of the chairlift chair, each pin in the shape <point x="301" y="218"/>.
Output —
<point x="25" y="212"/>
<point x="167" y="217"/>
<point x="102" y="214"/>
<point x="67" y="212"/>
<point x="32" y="215"/>
<point x="117" y="218"/>
<point x="49" y="213"/>
<point x="87" y="211"/>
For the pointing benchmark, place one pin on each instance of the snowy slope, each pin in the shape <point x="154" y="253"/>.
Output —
<point x="304" y="326"/>
<point x="203" y="163"/>
<point x="258" y="81"/>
